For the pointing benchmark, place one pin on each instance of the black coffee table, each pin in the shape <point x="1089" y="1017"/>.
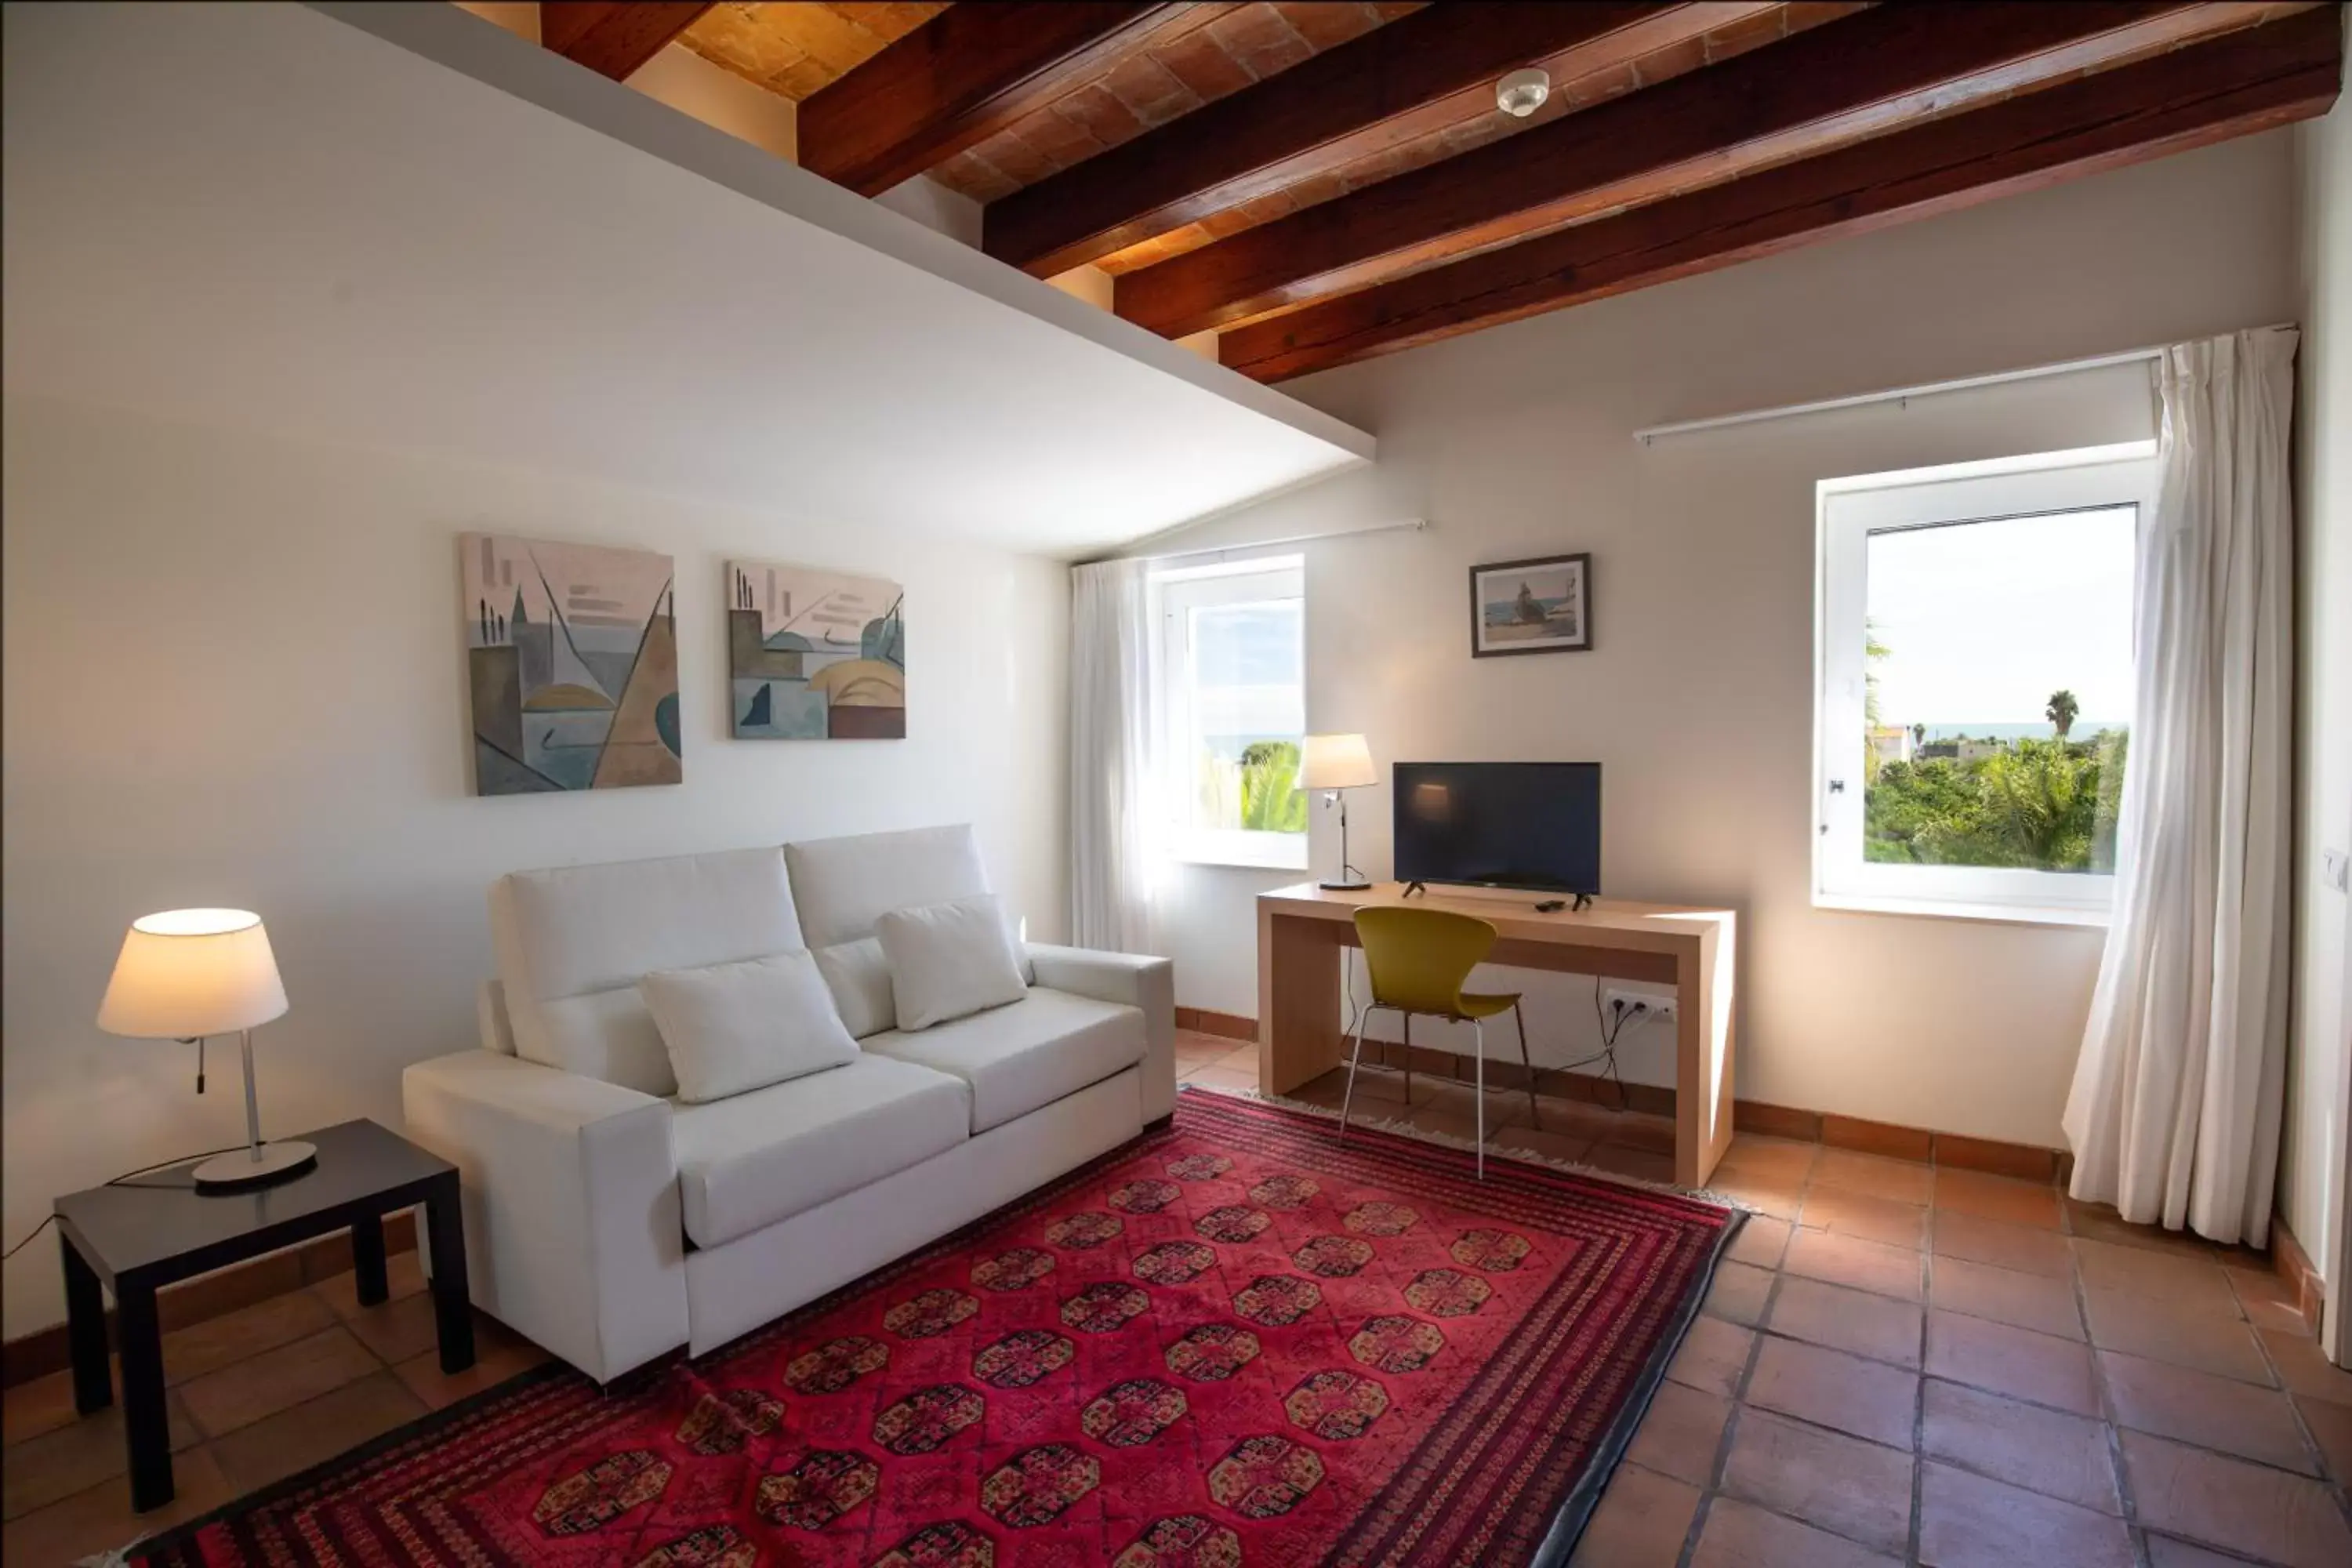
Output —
<point x="143" y="1234"/>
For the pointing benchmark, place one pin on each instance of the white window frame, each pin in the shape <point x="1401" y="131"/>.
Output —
<point x="1174" y="594"/>
<point x="1849" y="511"/>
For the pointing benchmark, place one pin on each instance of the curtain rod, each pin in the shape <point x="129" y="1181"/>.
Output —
<point x="1905" y="394"/>
<point x="1417" y="525"/>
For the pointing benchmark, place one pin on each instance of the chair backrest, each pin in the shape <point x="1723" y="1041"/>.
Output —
<point x="1419" y="958"/>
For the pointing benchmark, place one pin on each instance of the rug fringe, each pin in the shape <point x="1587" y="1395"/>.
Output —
<point x="1469" y="1146"/>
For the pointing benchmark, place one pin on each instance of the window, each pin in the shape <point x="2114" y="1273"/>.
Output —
<point x="1974" y="649"/>
<point x="1233" y="680"/>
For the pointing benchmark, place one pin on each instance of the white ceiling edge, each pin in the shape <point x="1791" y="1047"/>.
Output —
<point x="397" y="225"/>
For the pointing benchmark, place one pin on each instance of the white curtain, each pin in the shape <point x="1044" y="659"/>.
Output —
<point x="1110" y="757"/>
<point x="2174" y="1115"/>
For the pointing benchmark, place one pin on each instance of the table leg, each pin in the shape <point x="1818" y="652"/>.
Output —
<point x="146" y="1428"/>
<point x="367" y="1261"/>
<point x="1298" y="1021"/>
<point x="93" y="1381"/>
<point x="453" y="1312"/>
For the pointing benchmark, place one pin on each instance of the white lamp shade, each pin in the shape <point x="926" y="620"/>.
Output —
<point x="187" y="972"/>
<point x="1337" y="762"/>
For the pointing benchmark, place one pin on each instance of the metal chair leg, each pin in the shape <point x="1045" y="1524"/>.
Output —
<point x="1354" y="1056"/>
<point x="1478" y="1037"/>
<point x="1517" y="1018"/>
<point x="1408" y="1059"/>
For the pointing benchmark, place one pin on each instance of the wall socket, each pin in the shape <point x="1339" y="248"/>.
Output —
<point x="2331" y="868"/>
<point x="1633" y="1006"/>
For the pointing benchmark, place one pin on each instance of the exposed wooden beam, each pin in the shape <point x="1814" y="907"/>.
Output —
<point x="961" y="77"/>
<point x="614" y="39"/>
<point x="2249" y="81"/>
<point x="1415" y="75"/>
<point x="1862" y="76"/>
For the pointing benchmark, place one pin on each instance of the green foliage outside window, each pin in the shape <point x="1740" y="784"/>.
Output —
<point x="2046" y="806"/>
<point x="1271" y="799"/>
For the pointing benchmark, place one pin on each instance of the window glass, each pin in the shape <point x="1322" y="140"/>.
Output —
<point x="1998" y="690"/>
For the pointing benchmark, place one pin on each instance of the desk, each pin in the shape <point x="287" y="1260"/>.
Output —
<point x="1301" y="929"/>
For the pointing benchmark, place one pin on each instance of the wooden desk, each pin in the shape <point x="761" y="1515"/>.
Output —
<point x="1300" y="931"/>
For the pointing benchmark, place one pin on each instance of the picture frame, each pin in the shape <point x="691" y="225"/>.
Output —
<point x="1541" y="605"/>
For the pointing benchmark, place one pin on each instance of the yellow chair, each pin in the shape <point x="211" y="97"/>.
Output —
<point x="1418" y="960"/>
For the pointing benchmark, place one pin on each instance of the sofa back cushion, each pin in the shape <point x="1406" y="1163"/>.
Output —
<point x="573" y="941"/>
<point x="733" y="1027"/>
<point x="841" y="886"/>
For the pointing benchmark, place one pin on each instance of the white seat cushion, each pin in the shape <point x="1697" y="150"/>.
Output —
<point x="747" y="1162"/>
<point x="1019" y="1057"/>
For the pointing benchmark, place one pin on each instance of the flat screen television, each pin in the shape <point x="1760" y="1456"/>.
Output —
<point x="1535" y="825"/>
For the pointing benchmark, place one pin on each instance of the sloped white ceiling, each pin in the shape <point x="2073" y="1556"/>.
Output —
<point x="277" y="217"/>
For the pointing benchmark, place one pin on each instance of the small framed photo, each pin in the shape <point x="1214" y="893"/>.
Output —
<point x="1543" y="606"/>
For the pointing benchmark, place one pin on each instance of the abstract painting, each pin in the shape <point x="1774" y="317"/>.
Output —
<point x="814" y="656"/>
<point x="570" y="665"/>
<point x="1541" y="605"/>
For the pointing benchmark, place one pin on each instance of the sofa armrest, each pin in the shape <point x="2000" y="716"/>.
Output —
<point x="1149" y="983"/>
<point x="572" y="1231"/>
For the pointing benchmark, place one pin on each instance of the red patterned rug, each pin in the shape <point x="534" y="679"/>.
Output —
<point x="1236" y="1341"/>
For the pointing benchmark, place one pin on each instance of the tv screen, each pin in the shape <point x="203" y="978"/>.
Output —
<point x="1500" y="825"/>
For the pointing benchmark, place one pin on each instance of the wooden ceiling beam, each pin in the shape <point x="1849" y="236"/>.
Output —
<point x="2249" y="81"/>
<point x="1420" y="74"/>
<point x="961" y="77"/>
<point x="1860" y="76"/>
<point x="614" y="39"/>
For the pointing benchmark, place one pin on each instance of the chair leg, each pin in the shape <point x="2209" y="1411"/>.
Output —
<point x="1517" y="1018"/>
<point x="1479" y="1039"/>
<point x="1354" y="1058"/>
<point x="1408" y="1059"/>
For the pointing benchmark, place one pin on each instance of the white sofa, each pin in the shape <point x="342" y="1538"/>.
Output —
<point x="610" y="1223"/>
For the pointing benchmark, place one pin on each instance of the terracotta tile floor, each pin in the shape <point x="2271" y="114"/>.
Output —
<point x="1898" y="1364"/>
<point x="1906" y="1364"/>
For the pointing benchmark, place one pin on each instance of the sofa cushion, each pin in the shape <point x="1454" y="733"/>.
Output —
<point x="609" y="1036"/>
<point x="858" y="975"/>
<point x="734" y="1027"/>
<point x="745" y="1163"/>
<point x="1027" y="1055"/>
<point x="578" y="931"/>
<point x="841" y="886"/>
<point x="949" y="961"/>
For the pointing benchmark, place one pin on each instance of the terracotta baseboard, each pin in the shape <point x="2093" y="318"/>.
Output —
<point x="213" y="1295"/>
<point x="1231" y="1025"/>
<point x="2023" y="1160"/>
<point x="2294" y="1266"/>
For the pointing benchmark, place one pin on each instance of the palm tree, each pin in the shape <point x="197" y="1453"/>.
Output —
<point x="2062" y="710"/>
<point x="1918" y="734"/>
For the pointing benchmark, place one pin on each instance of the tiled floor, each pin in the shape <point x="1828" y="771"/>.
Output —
<point x="254" y="1397"/>
<point x="1901" y="1363"/>
<point x="1898" y="1365"/>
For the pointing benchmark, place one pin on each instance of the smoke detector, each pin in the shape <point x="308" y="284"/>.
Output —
<point x="1523" y="92"/>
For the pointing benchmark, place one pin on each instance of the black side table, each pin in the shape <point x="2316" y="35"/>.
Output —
<point x="138" y="1235"/>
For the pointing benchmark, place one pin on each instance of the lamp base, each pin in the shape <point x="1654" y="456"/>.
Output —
<point x="1344" y="887"/>
<point x="259" y="1167"/>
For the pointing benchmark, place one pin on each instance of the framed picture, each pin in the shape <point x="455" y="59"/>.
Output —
<point x="814" y="656"/>
<point x="570" y="665"/>
<point x="1543" y="605"/>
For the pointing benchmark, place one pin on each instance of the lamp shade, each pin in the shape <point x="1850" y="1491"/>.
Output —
<point x="1337" y="762"/>
<point x="187" y="972"/>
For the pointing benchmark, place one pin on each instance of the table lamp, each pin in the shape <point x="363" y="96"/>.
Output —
<point x="1334" y="763"/>
<point x="187" y="974"/>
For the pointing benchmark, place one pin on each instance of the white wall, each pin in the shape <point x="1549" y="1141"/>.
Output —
<point x="234" y="676"/>
<point x="1697" y="699"/>
<point x="2309" y="1185"/>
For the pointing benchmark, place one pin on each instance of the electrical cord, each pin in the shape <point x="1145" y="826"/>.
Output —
<point x="115" y="1182"/>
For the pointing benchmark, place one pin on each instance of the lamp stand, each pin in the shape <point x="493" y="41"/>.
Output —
<point x="1344" y="885"/>
<point x="258" y="1164"/>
